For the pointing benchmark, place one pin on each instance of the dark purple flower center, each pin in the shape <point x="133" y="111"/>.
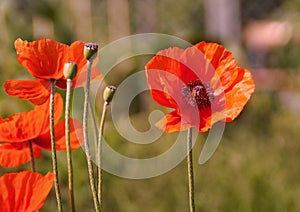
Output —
<point x="196" y="93"/>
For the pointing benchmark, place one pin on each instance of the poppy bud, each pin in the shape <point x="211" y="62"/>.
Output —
<point x="108" y="93"/>
<point x="70" y="70"/>
<point x="90" y="51"/>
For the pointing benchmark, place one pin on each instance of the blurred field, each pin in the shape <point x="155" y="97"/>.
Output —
<point x="256" y="166"/>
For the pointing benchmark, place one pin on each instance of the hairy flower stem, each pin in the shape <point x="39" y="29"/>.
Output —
<point x="85" y="135"/>
<point x="99" y="152"/>
<point x="95" y="127"/>
<point x="53" y="146"/>
<point x="31" y="156"/>
<point x="95" y="131"/>
<point x="190" y="170"/>
<point x="69" y="154"/>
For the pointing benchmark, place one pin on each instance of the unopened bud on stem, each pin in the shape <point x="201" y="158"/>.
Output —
<point x="108" y="93"/>
<point x="70" y="70"/>
<point x="90" y="51"/>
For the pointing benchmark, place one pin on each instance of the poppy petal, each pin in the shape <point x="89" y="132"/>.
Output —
<point x="168" y="60"/>
<point x="162" y="76"/>
<point x="74" y="53"/>
<point x="16" y="154"/>
<point x="162" y="92"/>
<point x="42" y="58"/>
<point x="223" y="62"/>
<point x="172" y="122"/>
<point x="36" y="91"/>
<point x="24" y="191"/>
<point x="58" y="111"/>
<point x="80" y="80"/>
<point x="238" y="96"/>
<point x="23" y="126"/>
<point x="26" y="126"/>
<point x="76" y="135"/>
<point x="196" y="66"/>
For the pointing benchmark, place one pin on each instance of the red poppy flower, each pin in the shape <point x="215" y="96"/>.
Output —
<point x="202" y="83"/>
<point x="45" y="59"/>
<point x="24" y="191"/>
<point x="17" y="130"/>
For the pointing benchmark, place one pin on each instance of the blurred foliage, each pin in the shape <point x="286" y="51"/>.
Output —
<point x="286" y="57"/>
<point x="255" y="168"/>
<point x="251" y="11"/>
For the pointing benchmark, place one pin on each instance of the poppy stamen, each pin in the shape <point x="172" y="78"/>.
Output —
<point x="196" y="93"/>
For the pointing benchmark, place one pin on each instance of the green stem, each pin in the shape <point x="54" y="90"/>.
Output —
<point x="85" y="135"/>
<point x="99" y="155"/>
<point x="31" y="156"/>
<point x="190" y="170"/>
<point x="95" y="128"/>
<point x="95" y="132"/>
<point x="68" y="145"/>
<point x="53" y="146"/>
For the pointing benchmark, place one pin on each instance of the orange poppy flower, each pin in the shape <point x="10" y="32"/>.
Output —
<point x="17" y="130"/>
<point x="202" y="83"/>
<point x="24" y="191"/>
<point x="45" y="59"/>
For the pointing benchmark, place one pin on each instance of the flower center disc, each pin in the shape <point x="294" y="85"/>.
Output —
<point x="199" y="94"/>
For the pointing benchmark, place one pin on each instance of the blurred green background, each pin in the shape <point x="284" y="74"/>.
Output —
<point x="256" y="166"/>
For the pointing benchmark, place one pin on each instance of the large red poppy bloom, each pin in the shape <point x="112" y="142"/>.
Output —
<point x="24" y="191"/>
<point x="17" y="130"/>
<point x="203" y="83"/>
<point x="45" y="59"/>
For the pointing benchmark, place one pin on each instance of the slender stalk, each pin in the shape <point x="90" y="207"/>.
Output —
<point x="85" y="135"/>
<point x="53" y="146"/>
<point x="190" y="170"/>
<point x="68" y="145"/>
<point x="99" y="155"/>
<point x="31" y="156"/>
<point x="95" y="128"/>
<point x="95" y="132"/>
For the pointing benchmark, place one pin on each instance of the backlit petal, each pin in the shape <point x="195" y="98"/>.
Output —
<point x="23" y="126"/>
<point x="76" y="135"/>
<point x="165" y="77"/>
<point x="15" y="154"/>
<point x="238" y="96"/>
<point x="43" y="58"/>
<point x="80" y="80"/>
<point x="36" y="91"/>
<point x="24" y="191"/>
<point x="222" y="60"/>
<point x="172" y="122"/>
<point x="74" y="53"/>
<point x="26" y="126"/>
